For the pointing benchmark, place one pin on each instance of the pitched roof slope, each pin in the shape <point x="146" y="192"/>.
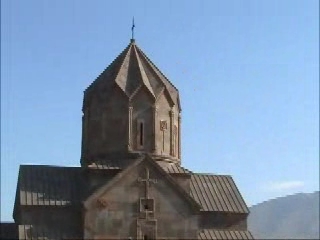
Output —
<point x="48" y="185"/>
<point x="133" y="69"/>
<point x="217" y="193"/>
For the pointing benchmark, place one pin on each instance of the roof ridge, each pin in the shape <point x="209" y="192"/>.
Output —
<point x="143" y="74"/>
<point x="211" y="174"/>
<point x="128" y="54"/>
<point x="97" y="78"/>
<point x="149" y="60"/>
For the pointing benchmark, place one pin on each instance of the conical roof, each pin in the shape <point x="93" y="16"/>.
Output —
<point x="131" y="70"/>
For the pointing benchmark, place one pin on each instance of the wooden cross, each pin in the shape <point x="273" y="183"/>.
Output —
<point x="147" y="182"/>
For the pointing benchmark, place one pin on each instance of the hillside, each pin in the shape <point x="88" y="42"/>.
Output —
<point x="291" y="217"/>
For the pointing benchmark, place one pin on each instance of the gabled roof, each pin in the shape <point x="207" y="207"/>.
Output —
<point x="217" y="193"/>
<point x="40" y="185"/>
<point x="133" y="69"/>
<point x="195" y="206"/>
<point x="211" y="234"/>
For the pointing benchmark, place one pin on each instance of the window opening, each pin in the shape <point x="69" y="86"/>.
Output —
<point x="141" y="133"/>
<point x="146" y="205"/>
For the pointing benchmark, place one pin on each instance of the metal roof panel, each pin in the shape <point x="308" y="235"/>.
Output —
<point x="217" y="193"/>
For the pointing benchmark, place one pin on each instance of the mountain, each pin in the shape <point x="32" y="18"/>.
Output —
<point x="291" y="217"/>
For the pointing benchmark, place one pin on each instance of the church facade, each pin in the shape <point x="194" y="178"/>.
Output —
<point x="131" y="183"/>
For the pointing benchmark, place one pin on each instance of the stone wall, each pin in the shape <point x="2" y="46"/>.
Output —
<point x="49" y="221"/>
<point x="119" y="212"/>
<point x="114" y="124"/>
<point x="216" y="220"/>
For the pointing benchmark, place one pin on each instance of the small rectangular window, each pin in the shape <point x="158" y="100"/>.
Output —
<point x="146" y="208"/>
<point x="146" y="205"/>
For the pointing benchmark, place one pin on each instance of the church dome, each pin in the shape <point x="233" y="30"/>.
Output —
<point x="131" y="108"/>
<point x="131" y="70"/>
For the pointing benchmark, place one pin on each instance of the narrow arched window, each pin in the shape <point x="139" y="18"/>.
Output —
<point x="140" y="133"/>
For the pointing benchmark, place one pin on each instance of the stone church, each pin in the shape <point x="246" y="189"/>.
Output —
<point x="131" y="183"/>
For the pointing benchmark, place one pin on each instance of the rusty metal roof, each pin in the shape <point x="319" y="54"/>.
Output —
<point x="48" y="185"/>
<point x="217" y="193"/>
<point x="209" y="234"/>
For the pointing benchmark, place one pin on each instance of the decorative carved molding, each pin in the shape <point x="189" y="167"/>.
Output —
<point x="163" y="128"/>
<point x="154" y="128"/>
<point x="163" y="125"/>
<point x="171" y="131"/>
<point x="175" y="130"/>
<point x="147" y="180"/>
<point x="171" y="112"/>
<point x="130" y="128"/>
<point x="175" y="141"/>
<point x="146" y="204"/>
<point x="102" y="203"/>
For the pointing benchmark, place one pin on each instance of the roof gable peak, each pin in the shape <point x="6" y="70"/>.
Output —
<point x="147" y="162"/>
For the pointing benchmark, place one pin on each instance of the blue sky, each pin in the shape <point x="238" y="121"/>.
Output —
<point x="247" y="72"/>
